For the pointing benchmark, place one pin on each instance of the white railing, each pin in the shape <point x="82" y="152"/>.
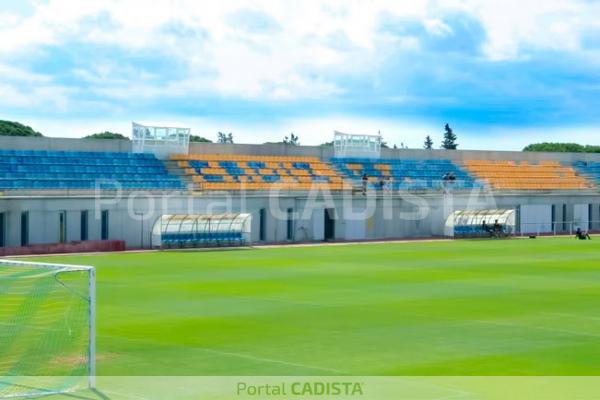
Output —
<point x="556" y="228"/>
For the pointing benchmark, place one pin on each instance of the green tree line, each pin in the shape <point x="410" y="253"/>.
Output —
<point x="562" y="148"/>
<point x="13" y="128"/>
<point x="10" y="128"/>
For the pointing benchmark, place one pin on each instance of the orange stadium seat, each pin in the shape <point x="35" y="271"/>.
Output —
<point x="259" y="172"/>
<point x="509" y="175"/>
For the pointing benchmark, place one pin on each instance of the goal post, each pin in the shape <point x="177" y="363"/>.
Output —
<point x="47" y="328"/>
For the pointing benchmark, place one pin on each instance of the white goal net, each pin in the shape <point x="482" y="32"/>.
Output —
<point x="47" y="337"/>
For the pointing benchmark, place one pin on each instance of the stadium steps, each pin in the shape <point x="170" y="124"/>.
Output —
<point x="588" y="170"/>
<point x="173" y="169"/>
<point x="591" y="179"/>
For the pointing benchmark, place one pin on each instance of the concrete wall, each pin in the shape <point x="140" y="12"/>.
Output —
<point x="327" y="152"/>
<point x="65" y="144"/>
<point x="391" y="217"/>
<point x="323" y="152"/>
<point x="381" y="217"/>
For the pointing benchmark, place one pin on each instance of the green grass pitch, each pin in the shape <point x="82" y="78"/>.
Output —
<point x="481" y="307"/>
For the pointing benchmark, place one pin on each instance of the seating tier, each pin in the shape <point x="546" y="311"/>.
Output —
<point x="32" y="169"/>
<point x="511" y="175"/>
<point x="405" y="174"/>
<point x="247" y="172"/>
<point x="590" y="169"/>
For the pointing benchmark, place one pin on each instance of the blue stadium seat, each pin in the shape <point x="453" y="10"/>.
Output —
<point x="590" y="169"/>
<point x="34" y="169"/>
<point x="406" y="174"/>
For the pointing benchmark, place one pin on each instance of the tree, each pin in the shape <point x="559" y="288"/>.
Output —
<point x="106" y="135"/>
<point x="224" y="138"/>
<point x="293" y="140"/>
<point x="199" y="139"/>
<point x="10" y="128"/>
<point x="428" y="143"/>
<point x="562" y="148"/>
<point x="327" y="143"/>
<point x="449" y="142"/>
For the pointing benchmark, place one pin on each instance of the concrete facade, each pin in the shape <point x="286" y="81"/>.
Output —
<point x="64" y="144"/>
<point x="375" y="216"/>
<point x="323" y="152"/>
<point x="327" y="152"/>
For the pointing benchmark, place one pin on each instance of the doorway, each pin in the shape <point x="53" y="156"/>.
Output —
<point x="329" y="214"/>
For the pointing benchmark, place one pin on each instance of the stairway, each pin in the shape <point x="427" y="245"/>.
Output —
<point x="177" y="171"/>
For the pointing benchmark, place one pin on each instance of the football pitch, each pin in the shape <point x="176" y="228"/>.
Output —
<point x="471" y="307"/>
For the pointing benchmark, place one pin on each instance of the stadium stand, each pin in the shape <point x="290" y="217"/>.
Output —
<point x="30" y="169"/>
<point x="253" y="172"/>
<point x="589" y="169"/>
<point x="406" y="174"/>
<point x="510" y="175"/>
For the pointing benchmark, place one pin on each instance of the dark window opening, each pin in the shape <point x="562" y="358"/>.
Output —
<point x="262" y="232"/>
<point x="84" y="225"/>
<point x="2" y="229"/>
<point x="290" y="224"/>
<point x="104" y="225"/>
<point x="62" y="226"/>
<point x="24" y="228"/>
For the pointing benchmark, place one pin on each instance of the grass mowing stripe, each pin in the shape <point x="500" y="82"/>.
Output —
<point x="481" y="307"/>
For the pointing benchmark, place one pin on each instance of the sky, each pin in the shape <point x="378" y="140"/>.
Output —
<point x="503" y="74"/>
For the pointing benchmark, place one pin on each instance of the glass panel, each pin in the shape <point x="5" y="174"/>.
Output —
<point x="201" y="223"/>
<point x="187" y="225"/>
<point x="173" y="224"/>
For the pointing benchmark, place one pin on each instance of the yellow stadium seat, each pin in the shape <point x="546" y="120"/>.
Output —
<point x="547" y="175"/>
<point x="290" y="178"/>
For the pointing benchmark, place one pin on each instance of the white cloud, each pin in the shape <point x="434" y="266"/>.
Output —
<point x="514" y="27"/>
<point x="11" y="73"/>
<point x="437" y="27"/>
<point x="300" y="37"/>
<point x="269" y="51"/>
<point x="283" y="50"/>
<point x="50" y="96"/>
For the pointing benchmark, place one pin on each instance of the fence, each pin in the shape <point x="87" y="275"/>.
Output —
<point x="556" y="228"/>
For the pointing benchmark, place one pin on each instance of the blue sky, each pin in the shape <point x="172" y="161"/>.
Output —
<point x="502" y="74"/>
